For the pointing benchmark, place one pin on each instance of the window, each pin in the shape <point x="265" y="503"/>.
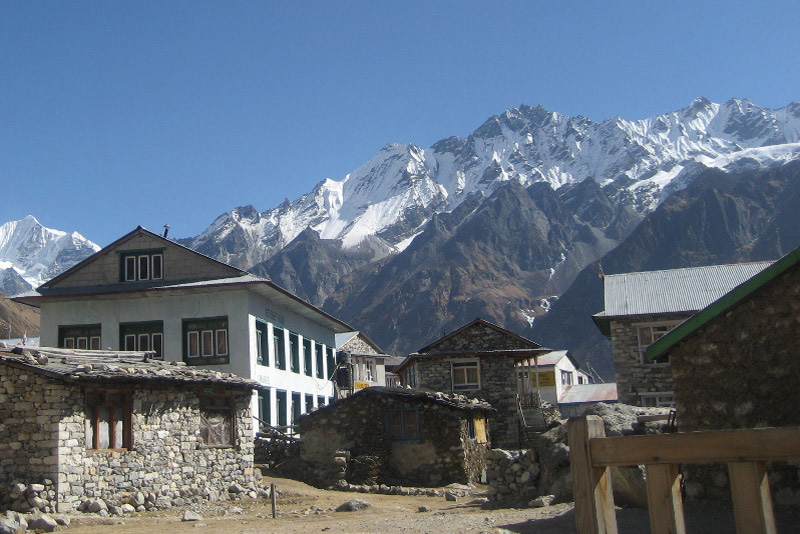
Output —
<point x="205" y="341"/>
<point x="262" y="347"/>
<point x="279" y="347"/>
<point x="320" y="355"/>
<point x="297" y="408"/>
<point x="108" y="420"/>
<point x="402" y="424"/>
<point x="142" y="265"/>
<point x="264" y="414"/>
<point x="661" y="399"/>
<point x="409" y="377"/>
<point x="307" y="356"/>
<point x="320" y="401"/>
<point x="216" y="422"/>
<point x="650" y="333"/>
<point x="331" y="362"/>
<point x="369" y="368"/>
<point x="465" y="375"/>
<point x="566" y="378"/>
<point x="143" y="336"/>
<point x="309" y="403"/>
<point x="82" y="337"/>
<point x="581" y="379"/>
<point x="280" y="406"/>
<point x="294" y="350"/>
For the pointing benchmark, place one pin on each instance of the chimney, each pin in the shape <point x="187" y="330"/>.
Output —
<point x="166" y="230"/>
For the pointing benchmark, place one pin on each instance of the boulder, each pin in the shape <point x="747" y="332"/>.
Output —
<point x="353" y="505"/>
<point x="42" y="522"/>
<point x="190" y="515"/>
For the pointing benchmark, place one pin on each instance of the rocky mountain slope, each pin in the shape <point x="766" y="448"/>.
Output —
<point x="392" y="196"/>
<point x="31" y="254"/>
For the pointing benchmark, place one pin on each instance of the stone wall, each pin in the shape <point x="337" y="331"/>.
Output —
<point x="512" y="476"/>
<point x="356" y="345"/>
<point x="353" y="431"/>
<point x="634" y="377"/>
<point x="43" y="427"/>
<point x="479" y="337"/>
<point x="740" y="371"/>
<point x="498" y="388"/>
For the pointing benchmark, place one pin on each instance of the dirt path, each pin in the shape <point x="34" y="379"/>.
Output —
<point x="304" y="509"/>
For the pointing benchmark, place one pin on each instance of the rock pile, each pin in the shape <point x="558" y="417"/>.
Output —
<point x="17" y="522"/>
<point x="513" y="476"/>
<point x="26" y="498"/>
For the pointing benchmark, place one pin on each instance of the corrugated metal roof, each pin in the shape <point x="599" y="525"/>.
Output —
<point x="589" y="393"/>
<point x="674" y="290"/>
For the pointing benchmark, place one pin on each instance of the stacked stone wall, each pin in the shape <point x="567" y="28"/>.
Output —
<point x="353" y="431"/>
<point x="43" y="427"/>
<point x="634" y="377"/>
<point x="512" y="476"/>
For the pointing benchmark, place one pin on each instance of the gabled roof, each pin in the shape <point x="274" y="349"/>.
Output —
<point x="479" y="321"/>
<point x="555" y="356"/>
<point x="138" y="230"/>
<point x="343" y="338"/>
<point x="115" y="367"/>
<point x="723" y="304"/>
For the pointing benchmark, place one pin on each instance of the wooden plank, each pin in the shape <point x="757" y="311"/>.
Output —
<point x="591" y="486"/>
<point x="664" y="499"/>
<point x="752" y="503"/>
<point x="748" y="445"/>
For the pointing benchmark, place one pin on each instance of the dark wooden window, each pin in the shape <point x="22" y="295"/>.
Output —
<point x="216" y="421"/>
<point x="108" y="419"/>
<point x="320" y="401"/>
<point x="402" y="424"/>
<point x="297" y="407"/>
<point x="307" y="356"/>
<point x="205" y="341"/>
<point x="320" y="356"/>
<point x="280" y="406"/>
<point x="86" y="336"/>
<point x="294" y="350"/>
<point x="309" y="403"/>
<point x="279" y="347"/>
<point x="142" y="336"/>
<point x="264" y="408"/>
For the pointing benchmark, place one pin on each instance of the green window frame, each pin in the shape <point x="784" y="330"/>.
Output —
<point x="281" y="400"/>
<point x="297" y="407"/>
<point x="205" y="341"/>
<point x="279" y="347"/>
<point x="402" y="424"/>
<point x="294" y="350"/>
<point x="262" y="343"/>
<point x="79" y="336"/>
<point x="264" y="405"/>
<point x="309" y="403"/>
<point x="142" y="336"/>
<point x="320" y="401"/>
<point x="307" y="356"/>
<point x="331" y="357"/>
<point x="320" y="357"/>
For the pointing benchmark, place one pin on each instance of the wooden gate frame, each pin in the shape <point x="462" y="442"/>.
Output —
<point x="745" y="451"/>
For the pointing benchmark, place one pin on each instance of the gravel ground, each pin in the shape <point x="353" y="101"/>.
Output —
<point x="304" y="509"/>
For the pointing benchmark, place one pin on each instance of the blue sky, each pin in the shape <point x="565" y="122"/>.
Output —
<point x="114" y="114"/>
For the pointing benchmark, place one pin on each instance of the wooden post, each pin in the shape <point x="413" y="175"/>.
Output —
<point x="591" y="486"/>
<point x="273" y="496"/>
<point x="664" y="499"/>
<point x="752" y="503"/>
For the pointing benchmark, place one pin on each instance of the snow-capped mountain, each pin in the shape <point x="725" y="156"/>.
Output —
<point x="32" y="254"/>
<point x="639" y="162"/>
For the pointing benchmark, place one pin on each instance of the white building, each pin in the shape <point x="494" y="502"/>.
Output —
<point x="555" y="372"/>
<point x="365" y="363"/>
<point x="145" y="292"/>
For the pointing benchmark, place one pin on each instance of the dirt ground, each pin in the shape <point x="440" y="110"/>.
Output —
<point x="304" y="509"/>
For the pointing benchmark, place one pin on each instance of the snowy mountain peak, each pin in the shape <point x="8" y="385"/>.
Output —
<point x="37" y="253"/>
<point x="394" y="194"/>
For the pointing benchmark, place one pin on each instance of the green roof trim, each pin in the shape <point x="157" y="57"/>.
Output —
<point x="721" y="305"/>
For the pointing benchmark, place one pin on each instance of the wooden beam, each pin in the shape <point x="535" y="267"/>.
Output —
<point x="664" y="499"/>
<point x="752" y="503"/>
<point x="748" y="445"/>
<point x="591" y="486"/>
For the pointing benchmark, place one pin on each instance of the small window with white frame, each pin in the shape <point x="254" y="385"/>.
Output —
<point x="659" y="399"/>
<point x="465" y="375"/>
<point x="566" y="378"/>
<point x="649" y="333"/>
<point x="206" y="341"/>
<point x="142" y="265"/>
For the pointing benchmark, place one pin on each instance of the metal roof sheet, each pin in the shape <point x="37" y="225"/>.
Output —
<point x="589" y="393"/>
<point x="674" y="290"/>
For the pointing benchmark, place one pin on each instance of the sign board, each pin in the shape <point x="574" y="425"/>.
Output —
<point x="360" y="385"/>
<point x="546" y="379"/>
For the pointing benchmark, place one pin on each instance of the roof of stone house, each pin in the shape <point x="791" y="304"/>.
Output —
<point x="515" y="354"/>
<point x="344" y="337"/>
<point x="116" y="367"/>
<point x="722" y="304"/>
<point x="526" y="341"/>
<point x="451" y="400"/>
<point x="670" y="291"/>
<point x="580" y="393"/>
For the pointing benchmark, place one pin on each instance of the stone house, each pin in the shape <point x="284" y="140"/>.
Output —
<point x="146" y="292"/>
<point x="396" y="436"/>
<point x="479" y="359"/>
<point x="642" y="307"/>
<point x="117" y="427"/>
<point x="361" y="363"/>
<point x="734" y="363"/>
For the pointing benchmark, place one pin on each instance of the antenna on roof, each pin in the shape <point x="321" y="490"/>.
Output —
<point x="166" y="230"/>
